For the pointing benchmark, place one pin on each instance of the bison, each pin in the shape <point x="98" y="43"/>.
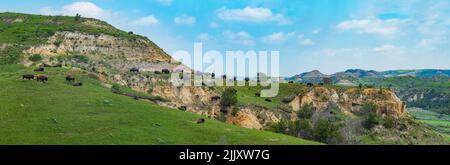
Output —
<point x="134" y="70"/>
<point x="165" y="71"/>
<point x="224" y="110"/>
<point x="182" y="108"/>
<point x="200" y="121"/>
<point x="39" y="69"/>
<point x="310" y="84"/>
<point x="78" y="84"/>
<point x="268" y="100"/>
<point x="27" y="77"/>
<point x="70" y="78"/>
<point x="215" y="98"/>
<point x="42" y="78"/>
<point x="258" y="94"/>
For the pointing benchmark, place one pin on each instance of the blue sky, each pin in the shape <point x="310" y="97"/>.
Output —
<point x="327" y="35"/>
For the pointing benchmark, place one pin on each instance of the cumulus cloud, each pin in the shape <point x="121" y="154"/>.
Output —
<point x="86" y="9"/>
<point x="277" y="37"/>
<point x="307" y="41"/>
<point x="146" y="21"/>
<point x="252" y="14"/>
<point x="241" y="38"/>
<point x="203" y="37"/>
<point x="385" y="48"/>
<point x="316" y="31"/>
<point x="185" y="20"/>
<point x="372" y="26"/>
<point x="214" y="25"/>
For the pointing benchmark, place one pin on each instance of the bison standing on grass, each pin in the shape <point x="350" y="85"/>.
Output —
<point x="27" y="77"/>
<point x="39" y="69"/>
<point x="70" y="78"/>
<point x="78" y="84"/>
<point x="42" y="78"/>
<point x="200" y="121"/>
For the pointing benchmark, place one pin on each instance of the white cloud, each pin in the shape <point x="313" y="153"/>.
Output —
<point x="277" y="37"/>
<point x="317" y="31"/>
<point x="372" y="26"/>
<point x="203" y="37"/>
<point x="185" y="19"/>
<point x="165" y="2"/>
<point x="146" y="21"/>
<point x="86" y="9"/>
<point x="214" y="25"/>
<point x="385" y="48"/>
<point x="306" y="41"/>
<point x="252" y="14"/>
<point x="241" y="38"/>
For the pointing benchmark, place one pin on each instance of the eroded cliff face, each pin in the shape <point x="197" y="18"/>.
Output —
<point x="120" y="53"/>
<point x="351" y="100"/>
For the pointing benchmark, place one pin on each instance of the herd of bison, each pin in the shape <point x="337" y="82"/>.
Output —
<point x="43" y="79"/>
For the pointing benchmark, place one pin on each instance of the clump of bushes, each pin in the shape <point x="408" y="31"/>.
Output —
<point x="80" y="58"/>
<point x="10" y="55"/>
<point x="35" y="58"/>
<point x="306" y="112"/>
<point x="229" y="97"/>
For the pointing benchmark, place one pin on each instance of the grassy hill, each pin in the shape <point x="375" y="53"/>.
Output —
<point x="34" y="29"/>
<point x="58" y="113"/>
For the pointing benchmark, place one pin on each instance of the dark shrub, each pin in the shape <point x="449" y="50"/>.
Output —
<point x="229" y="97"/>
<point x="326" y="132"/>
<point x="306" y="111"/>
<point x="35" y="57"/>
<point x="10" y="55"/>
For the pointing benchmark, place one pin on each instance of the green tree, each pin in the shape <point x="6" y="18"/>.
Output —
<point x="326" y="132"/>
<point x="229" y="97"/>
<point x="306" y="111"/>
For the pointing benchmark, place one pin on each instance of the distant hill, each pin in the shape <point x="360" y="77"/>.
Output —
<point x="354" y="75"/>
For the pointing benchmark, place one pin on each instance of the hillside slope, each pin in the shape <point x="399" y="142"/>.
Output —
<point x="58" y="113"/>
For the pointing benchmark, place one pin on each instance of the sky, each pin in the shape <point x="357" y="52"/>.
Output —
<point x="325" y="35"/>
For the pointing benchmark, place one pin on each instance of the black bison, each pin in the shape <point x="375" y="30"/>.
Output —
<point x="130" y="33"/>
<point x="78" y="84"/>
<point x="215" y="98"/>
<point x="27" y="77"/>
<point x="291" y="82"/>
<point x="134" y="70"/>
<point x="39" y="69"/>
<point x="224" y="110"/>
<point x="165" y="71"/>
<point x="42" y="78"/>
<point x="268" y="100"/>
<point x="257" y="94"/>
<point x="310" y="84"/>
<point x="321" y="84"/>
<point x="200" y="121"/>
<point x="182" y="108"/>
<point x="70" y="78"/>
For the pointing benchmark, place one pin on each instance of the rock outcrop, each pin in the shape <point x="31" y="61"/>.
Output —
<point x="352" y="100"/>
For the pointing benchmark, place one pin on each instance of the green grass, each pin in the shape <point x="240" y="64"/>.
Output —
<point x="438" y="122"/>
<point x="57" y="113"/>
<point x="34" y="29"/>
